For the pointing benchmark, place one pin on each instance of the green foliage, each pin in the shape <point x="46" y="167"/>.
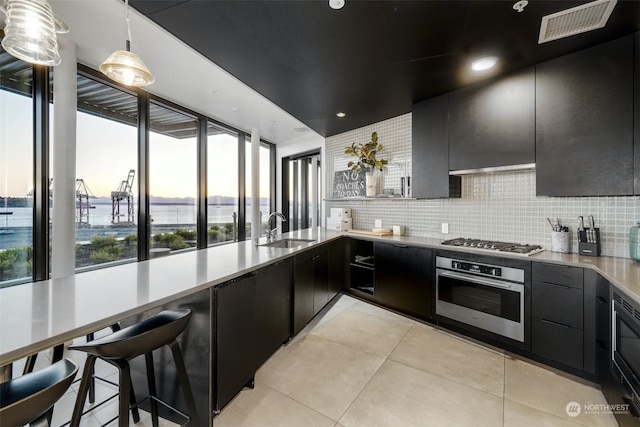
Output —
<point x="218" y="233"/>
<point x="104" y="249"/>
<point x="171" y="241"/>
<point x="366" y="154"/>
<point x="131" y="239"/>
<point x="105" y="255"/>
<point x="103" y="242"/>
<point x="186" y="234"/>
<point x="15" y="263"/>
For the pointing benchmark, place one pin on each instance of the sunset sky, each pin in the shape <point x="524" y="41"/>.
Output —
<point x="106" y="151"/>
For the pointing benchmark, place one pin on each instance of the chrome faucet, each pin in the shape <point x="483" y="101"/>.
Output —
<point x="271" y="231"/>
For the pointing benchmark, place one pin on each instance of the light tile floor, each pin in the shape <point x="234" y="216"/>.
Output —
<point x="359" y="365"/>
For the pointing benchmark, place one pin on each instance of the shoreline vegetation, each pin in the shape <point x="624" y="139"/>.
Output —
<point x="27" y="202"/>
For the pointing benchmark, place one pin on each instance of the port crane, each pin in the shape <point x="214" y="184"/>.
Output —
<point x="123" y="193"/>
<point x="83" y="194"/>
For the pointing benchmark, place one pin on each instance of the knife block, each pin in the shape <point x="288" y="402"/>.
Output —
<point x="589" y="248"/>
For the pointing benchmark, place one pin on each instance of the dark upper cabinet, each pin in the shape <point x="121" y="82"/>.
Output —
<point x="404" y="279"/>
<point x="636" y="109"/>
<point x="493" y="124"/>
<point x="584" y="122"/>
<point x="430" y="150"/>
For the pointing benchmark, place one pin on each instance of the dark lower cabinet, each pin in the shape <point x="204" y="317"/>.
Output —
<point x="252" y="320"/>
<point x="404" y="279"/>
<point x="235" y="337"/>
<point x="273" y="308"/>
<point x="320" y="280"/>
<point x="557" y="314"/>
<point x="557" y="342"/>
<point x="602" y="325"/>
<point x="337" y="264"/>
<point x="585" y="122"/>
<point x="310" y="292"/>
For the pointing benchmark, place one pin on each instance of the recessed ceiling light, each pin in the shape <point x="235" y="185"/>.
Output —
<point x="336" y="4"/>
<point x="484" y="63"/>
<point x="519" y="6"/>
<point x="236" y="109"/>
<point x="341" y="114"/>
<point x="217" y="92"/>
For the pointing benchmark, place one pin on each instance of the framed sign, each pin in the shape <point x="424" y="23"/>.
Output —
<point x="348" y="183"/>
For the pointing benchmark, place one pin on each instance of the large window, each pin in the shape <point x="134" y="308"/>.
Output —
<point x="111" y="146"/>
<point x="16" y="169"/>
<point x="173" y="180"/>
<point x="265" y="185"/>
<point x="222" y="185"/>
<point x="106" y="181"/>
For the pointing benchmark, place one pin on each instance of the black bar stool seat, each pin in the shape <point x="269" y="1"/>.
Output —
<point x="135" y="340"/>
<point x="27" y="398"/>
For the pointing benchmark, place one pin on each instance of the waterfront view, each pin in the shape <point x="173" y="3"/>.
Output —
<point x="15" y="228"/>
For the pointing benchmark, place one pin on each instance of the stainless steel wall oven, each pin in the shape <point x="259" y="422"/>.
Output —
<point x="625" y="347"/>
<point x="489" y="296"/>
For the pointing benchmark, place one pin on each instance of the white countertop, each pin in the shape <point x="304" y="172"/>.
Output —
<point x="624" y="273"/>
<point x="39" y="315"/>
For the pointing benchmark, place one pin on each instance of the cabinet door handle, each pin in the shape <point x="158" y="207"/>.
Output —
<point x="556" y="285"/>
<point x="601" y="345"/>
<point x="602" y="300"/>
<point x="277" y="263"/>
<point x="315" y="257"/>
<point x="401" y="246"/>
<point x="556" y="324"/>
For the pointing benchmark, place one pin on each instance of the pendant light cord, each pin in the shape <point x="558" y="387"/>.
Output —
<point x="128" y="26"/>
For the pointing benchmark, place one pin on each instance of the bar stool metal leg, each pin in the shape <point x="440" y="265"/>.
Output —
<point x="84" y="388"/>
<point x="184" y="381"/>
<point x="151" y="380"/>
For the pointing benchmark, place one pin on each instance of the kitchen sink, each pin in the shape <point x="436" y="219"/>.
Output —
<point x="287" y="243"/>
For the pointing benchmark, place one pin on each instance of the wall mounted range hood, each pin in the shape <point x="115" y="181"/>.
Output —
<point x="494" y="169"/>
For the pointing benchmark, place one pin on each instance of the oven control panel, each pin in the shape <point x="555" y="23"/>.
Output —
<point x="498" y="272"/>
<point x="476" y="268"/>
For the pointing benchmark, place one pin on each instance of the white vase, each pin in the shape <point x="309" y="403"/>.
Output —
<point x="370" y="184"/>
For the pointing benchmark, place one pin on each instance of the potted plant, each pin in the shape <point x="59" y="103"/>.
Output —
<point x="367" y="161"/>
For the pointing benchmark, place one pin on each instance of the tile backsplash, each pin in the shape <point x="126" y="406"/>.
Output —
<point x="499" y="206"/>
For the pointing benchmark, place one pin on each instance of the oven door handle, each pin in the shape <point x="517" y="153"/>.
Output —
<point x="472" y="279"/>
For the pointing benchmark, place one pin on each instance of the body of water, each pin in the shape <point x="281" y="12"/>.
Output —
<point x="16" y="229"/>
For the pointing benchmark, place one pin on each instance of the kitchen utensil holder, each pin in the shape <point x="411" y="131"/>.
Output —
<point x="589" y="244"/>
<point x="561" y="241"/>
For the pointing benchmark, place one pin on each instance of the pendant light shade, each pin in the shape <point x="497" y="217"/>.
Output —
<point x="30" y="31"/>
<point x="126" y="67"/>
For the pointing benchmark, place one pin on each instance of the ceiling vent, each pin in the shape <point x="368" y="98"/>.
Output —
<point x="576" y="20"/>
<point x="301" y="129"/>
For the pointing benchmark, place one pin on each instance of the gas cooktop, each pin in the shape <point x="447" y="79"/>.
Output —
<point x="514" y="248"/>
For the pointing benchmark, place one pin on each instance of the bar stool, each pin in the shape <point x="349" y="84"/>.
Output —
<point x="135" y="340"/>
<point x="28" y="398"/>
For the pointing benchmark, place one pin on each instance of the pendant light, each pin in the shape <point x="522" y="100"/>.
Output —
<point x="30" y="31"/>
<point x="126" y="67"/>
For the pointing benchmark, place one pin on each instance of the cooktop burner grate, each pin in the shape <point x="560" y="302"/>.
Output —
<point x="515" y="248"/>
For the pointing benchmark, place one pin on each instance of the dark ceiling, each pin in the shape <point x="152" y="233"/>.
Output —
<point x="371" y="59"/>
